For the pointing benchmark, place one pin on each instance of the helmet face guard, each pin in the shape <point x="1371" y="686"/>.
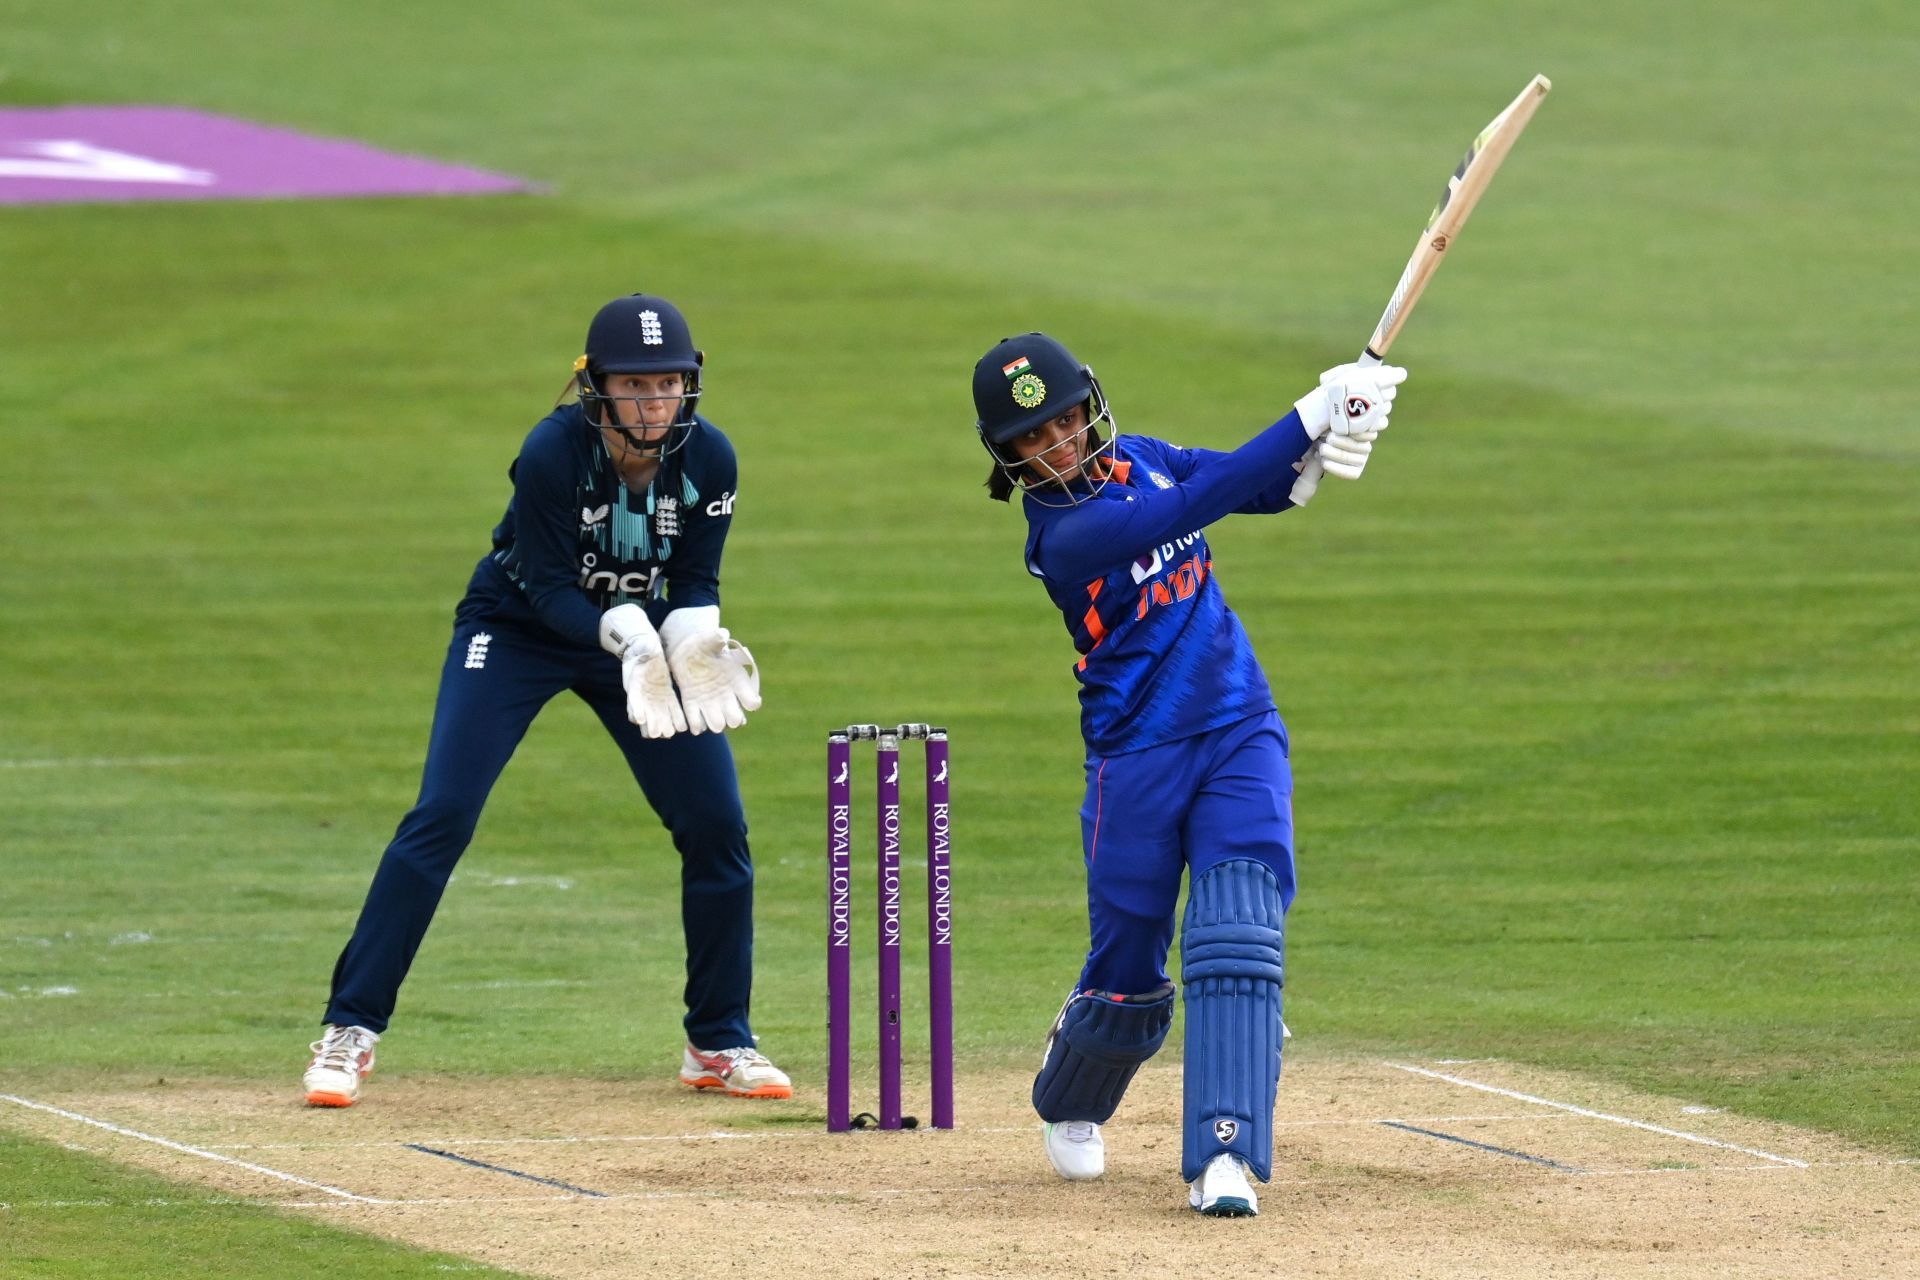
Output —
<point x="640" y="333"/>
<point x="603" y="410"/>
<point x="1026" y="382"/>
<point x="1040" y="480"/>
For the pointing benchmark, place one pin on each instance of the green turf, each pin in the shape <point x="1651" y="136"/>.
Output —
<point x="66" y="1215"/>
<point x="1602" y="684"/>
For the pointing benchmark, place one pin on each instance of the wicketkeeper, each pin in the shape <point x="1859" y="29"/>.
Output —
<point x="1187" y="766"/>
<point x="604" y="580"/>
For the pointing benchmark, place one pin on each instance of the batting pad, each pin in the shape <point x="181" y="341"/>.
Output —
<point x="1231" y="947"/>
<point x="1096" y="1046"/>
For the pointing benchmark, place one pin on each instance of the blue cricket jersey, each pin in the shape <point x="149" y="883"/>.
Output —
<point x="575" y="541"/>
<point x="1162" y="656"/>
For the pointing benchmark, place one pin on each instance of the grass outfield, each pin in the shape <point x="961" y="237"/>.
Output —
<point x="1602" y="684"/>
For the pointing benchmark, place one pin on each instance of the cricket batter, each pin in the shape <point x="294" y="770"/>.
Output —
<point x="1187" y="765"/>
<point x="604" y="580"/>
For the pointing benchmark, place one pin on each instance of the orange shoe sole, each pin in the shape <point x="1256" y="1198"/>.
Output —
<point x="764" y="1091"/>
<point x="330" y="1100"/>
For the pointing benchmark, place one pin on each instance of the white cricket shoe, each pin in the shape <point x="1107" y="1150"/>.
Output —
<point x="1222" y="1189"/>
<point x="342" y="1058"/>
<point x="1075" y="1149"/>
<point x="743" y="1072"/>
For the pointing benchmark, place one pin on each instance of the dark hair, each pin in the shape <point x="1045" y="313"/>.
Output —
<point x="999" y="484"/>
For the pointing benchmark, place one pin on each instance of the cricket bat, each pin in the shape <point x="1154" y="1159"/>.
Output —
<point x="1469" y="182"/>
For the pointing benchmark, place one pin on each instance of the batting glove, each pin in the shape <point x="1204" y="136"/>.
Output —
<point x="628" y="636"/>
<point x="1345" y="414"/>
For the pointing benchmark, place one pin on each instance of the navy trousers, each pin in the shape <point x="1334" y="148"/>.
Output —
<point x="497" y="677"/>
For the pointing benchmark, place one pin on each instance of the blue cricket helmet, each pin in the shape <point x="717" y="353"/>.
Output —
<point x="1022" y="383"/>
<point x="639" y="333"/>
<point x="1026" y="381"/>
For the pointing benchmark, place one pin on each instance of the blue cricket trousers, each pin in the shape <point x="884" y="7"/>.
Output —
<point x="1150" y="815"/>
<point x="497" y="677"/>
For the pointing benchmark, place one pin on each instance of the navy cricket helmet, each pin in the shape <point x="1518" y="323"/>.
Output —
<point x="1024" y="382"/>
<point x="640" y="333"/>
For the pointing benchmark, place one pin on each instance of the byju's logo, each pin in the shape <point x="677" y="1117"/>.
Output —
<point x="1150" y="565"/>
<point x="477" y="650"/>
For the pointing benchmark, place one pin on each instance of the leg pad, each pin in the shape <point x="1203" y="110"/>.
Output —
<point x="1097" y="1044"/>
<point x="1232" y="944"/>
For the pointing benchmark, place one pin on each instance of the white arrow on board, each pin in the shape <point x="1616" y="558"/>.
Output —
<point x="77" y="161"/>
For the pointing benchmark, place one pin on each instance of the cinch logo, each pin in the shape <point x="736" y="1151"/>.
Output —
<point x="638" y="583"/>
<point x="477" y="650"/>
<point x="721" y="506"/>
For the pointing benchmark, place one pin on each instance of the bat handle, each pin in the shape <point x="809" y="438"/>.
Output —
<point x="1303" y="488"/>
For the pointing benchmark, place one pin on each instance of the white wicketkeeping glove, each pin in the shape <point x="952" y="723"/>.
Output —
<point x="627" y="635"/>
<point x="1346" y="413"/>
<point x="718" y="678"/>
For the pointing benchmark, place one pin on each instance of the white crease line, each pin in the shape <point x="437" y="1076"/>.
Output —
<point x="192" y="1151"/>
<point x="496" y="1142"/>
<point x="1596" y="1115"/>
<point x="719" y="1136"/>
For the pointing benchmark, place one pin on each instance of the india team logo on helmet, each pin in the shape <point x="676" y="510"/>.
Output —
<point x="1025" y="382"/>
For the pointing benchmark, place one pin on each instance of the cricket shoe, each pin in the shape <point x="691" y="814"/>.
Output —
<point x="1075" y="1149"/>
<point x="342" y="1058"/>
<point x="1222" y="1189"/>
<point x="743" y="1072"/>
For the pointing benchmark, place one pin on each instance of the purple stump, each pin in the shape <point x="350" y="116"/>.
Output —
<point x="839" y="931"/>
<point x="939" y="929"/>
<point x="888" y="758"/>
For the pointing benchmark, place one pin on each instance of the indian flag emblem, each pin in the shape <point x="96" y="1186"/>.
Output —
<point x="1017" y="368"/>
